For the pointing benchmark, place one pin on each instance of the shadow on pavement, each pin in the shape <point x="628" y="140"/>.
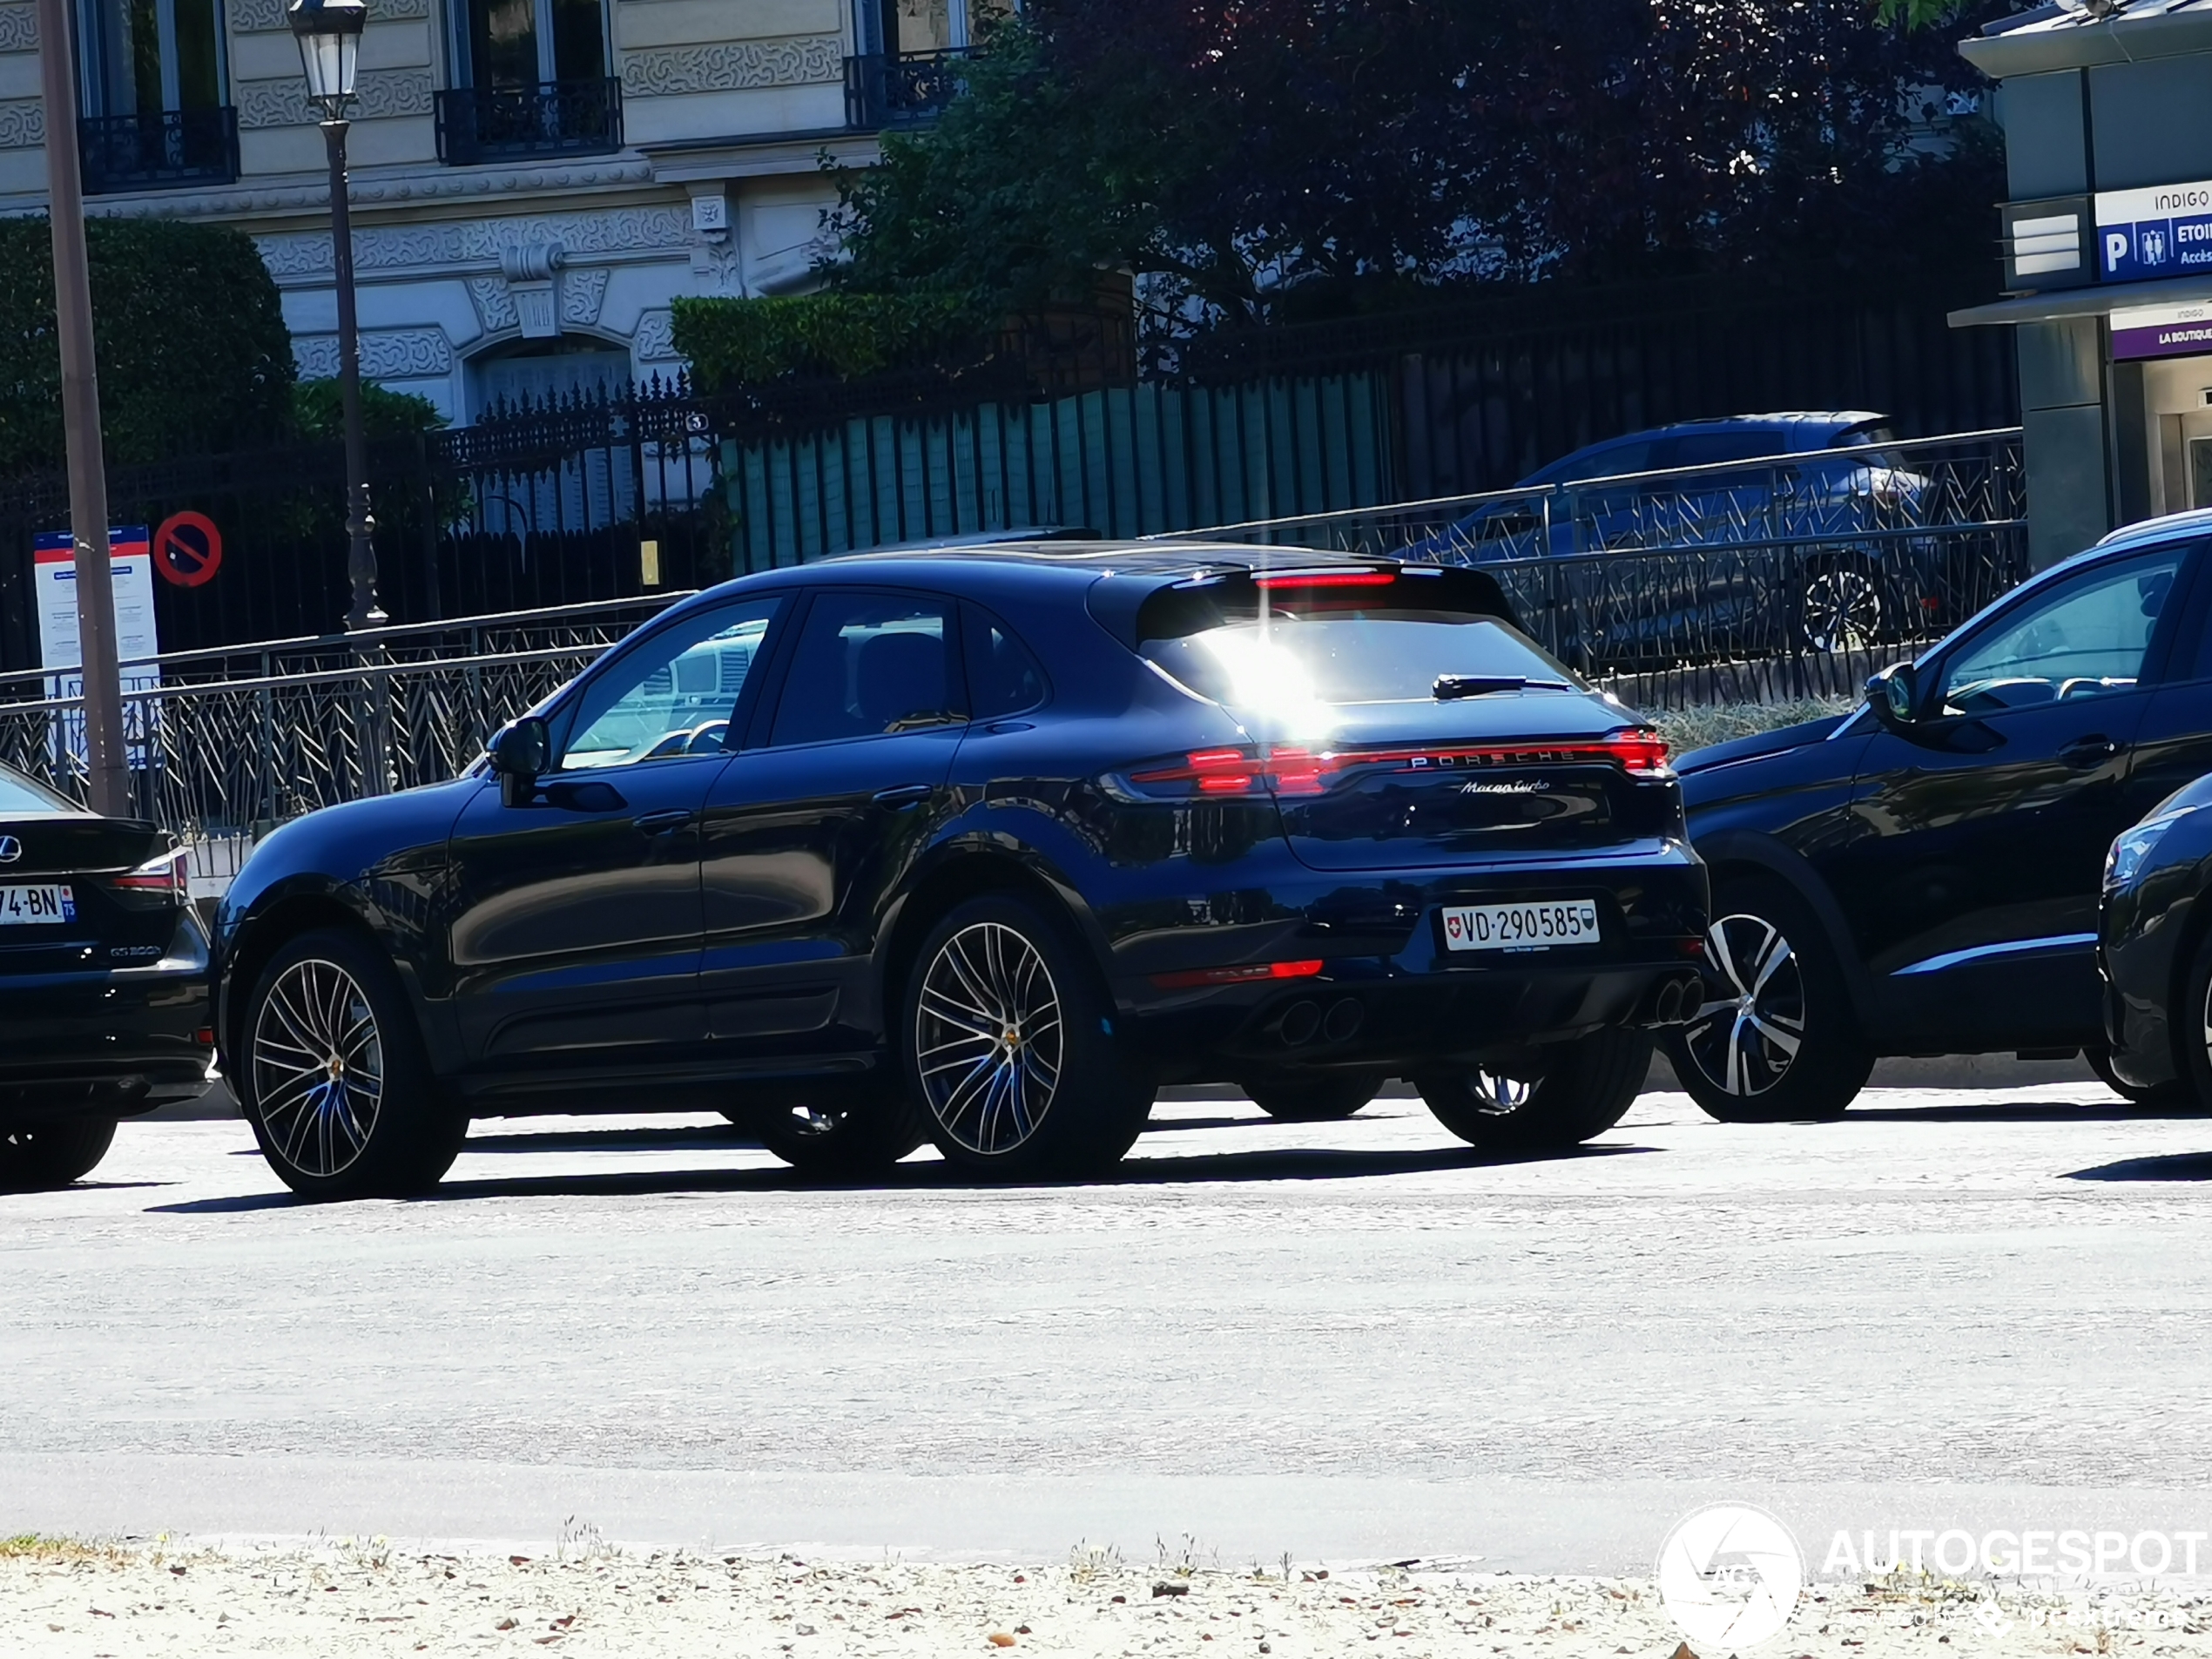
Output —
<point x="1291" y="1163"/>
<point x="2172" y="1166"/>
<point x="2114" y="1110"/>
<point x="707" y="1137"/>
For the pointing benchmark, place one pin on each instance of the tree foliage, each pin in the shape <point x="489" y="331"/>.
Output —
<point x="1257" y="159"/>
<point x="189" y="341"/>
<point x="319" y="411"/>
<point x="731" y="342"/>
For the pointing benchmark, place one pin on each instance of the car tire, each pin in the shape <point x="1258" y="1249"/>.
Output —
<point x="1581" y="1089"/>
<point x="2173" y="1096"/>
<point x="858" y="1137"/>
<point x="1771" y="979"/>
<point x="34" y="1156"/>
<point x="2192" y="1030"/>
<point x="334" y="1077"/>
<point x="1007" y="1037"/>
<point x="1324" y="1099"/>
<point x="1845" y="605"/>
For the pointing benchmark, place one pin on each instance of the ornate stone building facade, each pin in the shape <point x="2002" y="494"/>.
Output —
<point x="533" y="180"/>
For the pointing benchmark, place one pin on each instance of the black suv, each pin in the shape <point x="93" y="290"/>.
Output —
<point x="1921" y="876"/>
<point x="985" y="847"/>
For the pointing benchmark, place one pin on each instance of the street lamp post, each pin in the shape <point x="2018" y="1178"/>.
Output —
<point x="329" y="33"/>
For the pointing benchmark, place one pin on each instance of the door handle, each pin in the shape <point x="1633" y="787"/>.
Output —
<point x="661" y="822"/>
<point x="999" y="728"/>
<point x="904" y="795"/>
<point x="2089" y="752"/>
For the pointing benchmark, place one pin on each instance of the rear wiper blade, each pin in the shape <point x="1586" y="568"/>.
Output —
<point x="1449" y="686"/>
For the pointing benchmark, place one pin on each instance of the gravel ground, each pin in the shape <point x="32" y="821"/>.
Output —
<point x="338" y="1600"/>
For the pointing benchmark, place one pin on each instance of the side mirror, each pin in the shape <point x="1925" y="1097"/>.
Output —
<point x="519" y="751"/>
<point x="1895" y="695"/>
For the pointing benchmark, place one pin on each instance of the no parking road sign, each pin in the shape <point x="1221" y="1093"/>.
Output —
<point x="188" y="549"/>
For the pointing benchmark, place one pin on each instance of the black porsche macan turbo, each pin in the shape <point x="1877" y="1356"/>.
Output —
<point x="985" y="847"/>
<point x="103" y="982"/>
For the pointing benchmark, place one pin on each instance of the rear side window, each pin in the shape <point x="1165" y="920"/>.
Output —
<point x="1709" y="448"/>
<point x="1613" y="459"/>
<point x="1276" y="643"/>
<point x="868" y="663"/>
<point x="1002" y="673"/>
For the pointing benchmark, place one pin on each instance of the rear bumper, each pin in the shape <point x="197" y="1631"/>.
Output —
<point x="107" y="1044"/>
<point x="1389" y="994"/>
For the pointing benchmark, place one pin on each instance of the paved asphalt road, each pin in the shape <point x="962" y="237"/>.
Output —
<point x="1983" y="1307"/>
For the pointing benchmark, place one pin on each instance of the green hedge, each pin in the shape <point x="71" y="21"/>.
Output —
<point x="736" y="342"/>
<point x="192" y="347"/>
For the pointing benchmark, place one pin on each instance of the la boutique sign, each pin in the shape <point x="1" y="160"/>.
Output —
<point x="2163" y="231"/>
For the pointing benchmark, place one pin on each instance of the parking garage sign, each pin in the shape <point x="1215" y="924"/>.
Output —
<point x="2164" y="231"/>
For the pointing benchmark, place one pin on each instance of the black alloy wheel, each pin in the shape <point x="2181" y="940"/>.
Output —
<point x="1774" y="1040"/>
<point x="336" y="1083"/>
<point x="1573" y="1092"/>
<point x="1325" y="1098"/>
<point x="1008" y="1039"/>
<point x="37" y="1156"/>
<point x="1843" y="606"/>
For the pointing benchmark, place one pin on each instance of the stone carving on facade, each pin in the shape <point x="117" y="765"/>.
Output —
<point x="383" y="93"/>
<point x="387" y="354"/>
<point x="582" y="292"/>
<point x="257" y="16"/>
<point x="22" y="123"/>
<point x="422" y="186"/>
<point x="479" y="242"/>
<point x="533" y="274"/>
<point x="495" y="305"/>
<point x="18" y="28"/>
<point x="717" y="267"/>
<point x="655" y="340"/>
<point x="731" y="66"/>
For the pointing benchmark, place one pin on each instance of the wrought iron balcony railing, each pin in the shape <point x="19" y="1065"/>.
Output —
<point x="882" y="90"/>
<point x="550" y="119"/>
<point x="158" y="150"/>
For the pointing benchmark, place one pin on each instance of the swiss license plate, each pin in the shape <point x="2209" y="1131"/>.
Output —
<point x="1521" y="926"/>
<point x="31" y="907"/>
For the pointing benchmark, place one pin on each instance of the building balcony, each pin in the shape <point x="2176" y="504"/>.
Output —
<point x="158" y="150"/>
<point x="886" y="92"/>
<point x="507" y="123"/>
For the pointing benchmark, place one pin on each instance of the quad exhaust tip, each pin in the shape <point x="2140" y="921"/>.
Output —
<point x="1304" y="1021"/>
<point x="1677" y="1001"/>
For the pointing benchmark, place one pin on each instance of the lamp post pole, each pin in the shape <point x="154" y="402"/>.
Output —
<point x="328" y="33"/>
<point x="361" y="526"/>
<point x="110" y="779"/>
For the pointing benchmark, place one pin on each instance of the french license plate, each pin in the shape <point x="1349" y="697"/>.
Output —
<point x="31" y="907"/>
<point x="1521" y="926"/>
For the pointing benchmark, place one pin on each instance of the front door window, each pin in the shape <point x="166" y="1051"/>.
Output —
<point x="2087" y="639"/>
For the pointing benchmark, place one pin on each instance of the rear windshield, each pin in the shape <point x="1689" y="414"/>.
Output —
<point x="19" y="794"/>
<point x="1389" y="643"/>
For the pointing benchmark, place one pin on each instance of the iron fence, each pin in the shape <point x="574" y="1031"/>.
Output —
<point x="1792" y="576"/>
<point x="227" y="743"/>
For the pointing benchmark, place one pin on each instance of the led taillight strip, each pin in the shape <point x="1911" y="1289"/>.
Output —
<point x="1327" y="579"/>
<point x="1301" y="771"/>
<point x="1243" y="973"/>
